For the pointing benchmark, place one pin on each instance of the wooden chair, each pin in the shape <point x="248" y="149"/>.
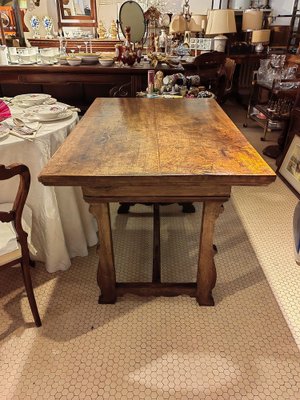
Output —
<point x="14" y="216"/>
<point x="229" y="71"/>
<point x="210" y="68"/>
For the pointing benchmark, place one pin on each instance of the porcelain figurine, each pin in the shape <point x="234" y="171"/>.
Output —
<point x="101" y="30"/>
<point x="158" y="80"/>
<point x="113" y="30"/>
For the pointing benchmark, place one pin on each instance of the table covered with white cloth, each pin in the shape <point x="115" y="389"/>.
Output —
<point x="62" y="226"/>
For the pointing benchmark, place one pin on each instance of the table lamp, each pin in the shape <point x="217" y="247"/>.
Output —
<point x="220" y="22"/>
<point x="198" y="23"/>
<point x="252" y="20"/>
<point x="260" y="37"/>
<point x="178" y="24"/>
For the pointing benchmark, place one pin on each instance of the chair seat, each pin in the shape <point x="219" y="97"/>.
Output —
<point x="8" y="240"/>
<point x="9" y="257"/>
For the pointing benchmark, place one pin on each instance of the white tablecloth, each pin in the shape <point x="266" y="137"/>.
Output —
<point x="62" y="225"/>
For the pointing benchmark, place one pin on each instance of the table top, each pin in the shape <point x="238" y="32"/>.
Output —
<point x="156" y="140"/>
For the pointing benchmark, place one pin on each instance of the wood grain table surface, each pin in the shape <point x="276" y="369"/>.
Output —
<point x="156" y="150"/>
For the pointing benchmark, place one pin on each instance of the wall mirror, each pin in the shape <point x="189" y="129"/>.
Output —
<point x="77" y="12"/>
<point x="131" y="14"/>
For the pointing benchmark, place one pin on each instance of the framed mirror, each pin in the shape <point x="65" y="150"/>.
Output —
<point x="77" y="13"/>
<point x="131" y="14"/>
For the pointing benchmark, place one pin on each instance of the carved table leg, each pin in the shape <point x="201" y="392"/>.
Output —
<point x="106" y="275"/>
<point x="206" y="276"/>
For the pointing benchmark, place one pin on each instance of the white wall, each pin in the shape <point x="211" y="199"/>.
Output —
<point x="107" y="9"/>
<point x="281" y="7"/>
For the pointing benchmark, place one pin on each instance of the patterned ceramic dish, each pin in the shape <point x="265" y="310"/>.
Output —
<point x="32" y="98"/>
<point x="106" y="62"/>
<point x="89" y="58"/>
<point x="46" y="111"/>
<point x="74" y="61"/>
<point x="35" y="117"/>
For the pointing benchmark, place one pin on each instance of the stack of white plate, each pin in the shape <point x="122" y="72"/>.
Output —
<point x="47" y="113"/>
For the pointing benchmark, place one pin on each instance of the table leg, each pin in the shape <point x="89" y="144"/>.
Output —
<point x="106" y="275"/>
<point x="206" y="276"/>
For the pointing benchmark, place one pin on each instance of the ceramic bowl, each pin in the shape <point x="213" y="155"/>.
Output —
<point x="49" y="112"/>
<point x="32" y="98"/>
<point x="63" y="61"/>
<point x="74" y="61"/>
<point x="106" y="62"/>
<point x="89" y="58"/>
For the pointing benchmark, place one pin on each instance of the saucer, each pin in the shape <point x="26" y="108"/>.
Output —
<point x="63" y="115"/>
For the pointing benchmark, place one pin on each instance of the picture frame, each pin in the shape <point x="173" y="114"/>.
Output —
<point x="204" y="44"/>
<point x="289" y="170"/>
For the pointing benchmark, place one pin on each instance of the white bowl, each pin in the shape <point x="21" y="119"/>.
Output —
<point x="106" y="62"/>
<point x="74" y="61"/>
<point x="47" y="111"/>
<point x="63" y="61"/>
<point x="32" y="98"/>
<point x="90" y="58"/>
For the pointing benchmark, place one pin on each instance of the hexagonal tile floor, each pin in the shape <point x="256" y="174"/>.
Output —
<point x="151" y="348"/>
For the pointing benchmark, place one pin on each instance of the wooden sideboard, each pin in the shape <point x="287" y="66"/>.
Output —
<point x="98" y="45"/>
<point x="79" y="85"/>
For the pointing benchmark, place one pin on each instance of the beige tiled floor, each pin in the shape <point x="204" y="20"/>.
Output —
<point x="159" y="348"/>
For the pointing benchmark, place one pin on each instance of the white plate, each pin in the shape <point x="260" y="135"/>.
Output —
<point x="46" y="111"/>
<point x="24" y="104"/>
<point x="65" y="114"/>
<point x="4" y="131"/>
<point x="32" y="98"/>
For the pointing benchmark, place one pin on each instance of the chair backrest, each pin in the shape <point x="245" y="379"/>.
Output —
<point x="15" y="214"/>
<point x="210" y="61"/>
<point x="229" y="71"/>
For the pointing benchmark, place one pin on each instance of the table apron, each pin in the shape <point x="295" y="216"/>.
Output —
<point x="155" y="193"/>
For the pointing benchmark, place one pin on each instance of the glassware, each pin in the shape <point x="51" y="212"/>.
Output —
<point x="118" y="53"/>
<point x="263" y="71"/>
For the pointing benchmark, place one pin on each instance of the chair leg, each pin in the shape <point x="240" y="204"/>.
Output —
<point x="187" y="207"/>
<point x="30" y="294"/>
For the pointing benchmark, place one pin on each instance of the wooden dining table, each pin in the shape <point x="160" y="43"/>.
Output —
<point x="156" y="151"/>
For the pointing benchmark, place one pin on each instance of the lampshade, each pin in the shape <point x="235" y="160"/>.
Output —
<point x="178" y="24"/>
<point x="220" y="21"/>
<point x="252" y="20"/>
<point x="197" y="23"/>
<point x="261" y="36"/>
